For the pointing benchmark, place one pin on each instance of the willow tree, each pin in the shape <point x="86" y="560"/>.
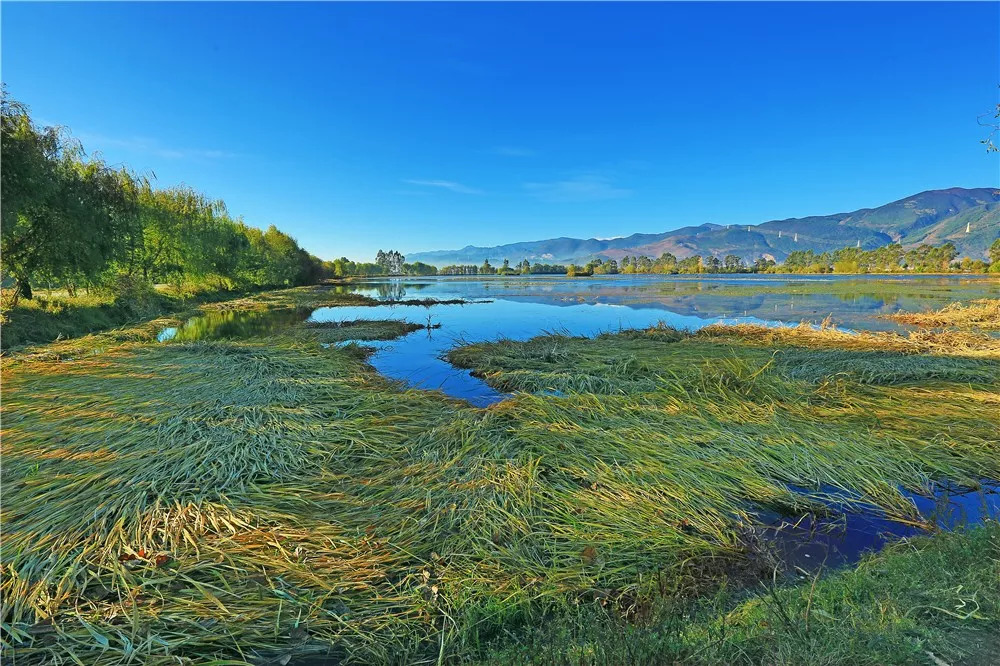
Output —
<point x="64" y="216"/>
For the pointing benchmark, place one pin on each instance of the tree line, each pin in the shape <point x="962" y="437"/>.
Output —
<point x="891" y="258"/>
<point x="386" y="263"/>
<point x="523" y="268"/>
<point x="70" y="220"/>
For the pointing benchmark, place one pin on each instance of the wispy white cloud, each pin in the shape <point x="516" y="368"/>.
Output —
<point x="513" y="151"/>
<point x="150" y="146"/>
<point x="445" y="185"/>
<point x="588" y="187"/>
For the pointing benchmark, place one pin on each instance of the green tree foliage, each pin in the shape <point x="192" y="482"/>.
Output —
<point x="601" y="267"/>
<point x="547" y="269"/>
<point x="733" y="264"/>
<point x="892" y="258"/>
<point x="390" y="262"/>
<point x="467" y="269"/>
<point x="64" y="217"/>
<point x="995" y="256"/>
<point x="69" y="219"/>
<point x="344" y="267"/>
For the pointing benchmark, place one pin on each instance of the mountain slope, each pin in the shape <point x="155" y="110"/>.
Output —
<point x="934" y="217"/>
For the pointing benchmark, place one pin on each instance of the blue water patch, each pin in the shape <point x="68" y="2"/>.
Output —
<point x="418" y="358"/>
<point x="809" y="542"/>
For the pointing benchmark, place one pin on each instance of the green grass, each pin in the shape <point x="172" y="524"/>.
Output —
<point x="364" y="329"/>
<point x="266" y="497"/>
<point x="915" y="602"/>
<point x="60" y="316"/>
<point x="44" y="318"/>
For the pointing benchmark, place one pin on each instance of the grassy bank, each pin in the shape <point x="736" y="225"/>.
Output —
<point x="267" y="498"/>
<point x="59" y="316"/>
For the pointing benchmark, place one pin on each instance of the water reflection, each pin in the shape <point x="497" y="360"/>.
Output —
<point x="852" y="301"/>
<point x="230" y="324"/>
<point x="810" y="542"/>
<point x="417" y="359"/>
<point x="522" y="308"/>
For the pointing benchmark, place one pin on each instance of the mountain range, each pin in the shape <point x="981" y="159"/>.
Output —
<point x="970" y="218"/>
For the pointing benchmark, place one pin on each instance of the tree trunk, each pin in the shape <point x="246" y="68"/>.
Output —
<point x="24" y="288"/>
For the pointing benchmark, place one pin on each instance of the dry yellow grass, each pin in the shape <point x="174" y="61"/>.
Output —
<point x="983" y="313"/>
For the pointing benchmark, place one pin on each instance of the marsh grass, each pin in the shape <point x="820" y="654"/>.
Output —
<point x="267" y="498"/>
<point x="873" y="615"/>
<point x="982" y="314"/>
<point x="366" y="329"/>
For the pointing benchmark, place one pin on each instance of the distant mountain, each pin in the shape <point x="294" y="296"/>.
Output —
<point x="934" y="217"/>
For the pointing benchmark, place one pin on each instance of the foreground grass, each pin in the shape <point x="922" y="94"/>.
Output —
<point x="983" y="313"/>
<point x="921" y="601"/>
<point x="266" y="498"/>
<point x="193" y="499"/>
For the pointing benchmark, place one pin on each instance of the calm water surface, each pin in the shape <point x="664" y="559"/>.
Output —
<point x="522" y="308"/>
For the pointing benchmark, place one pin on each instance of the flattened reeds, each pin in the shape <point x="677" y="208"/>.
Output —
<point x="983" y="313"/>
<point x="267" y="498"/>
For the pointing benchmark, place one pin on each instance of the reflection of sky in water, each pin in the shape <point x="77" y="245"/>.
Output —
<point x="852" y="301"/>
<point x="525" y="307"/>
<point x="522" y="308"/>
<point x="810" y="543"/>
<point x="417" y="358"/>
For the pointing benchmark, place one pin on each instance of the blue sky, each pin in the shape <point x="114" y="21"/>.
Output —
<point x="433" y="126"/>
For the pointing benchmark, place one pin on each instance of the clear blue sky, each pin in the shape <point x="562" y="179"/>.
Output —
<point x="433" y="126"/>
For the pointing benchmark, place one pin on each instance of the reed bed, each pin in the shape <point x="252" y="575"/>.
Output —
<point x="982" y="314"/>
<point x="314" y="296"/>
<point x="267" y="499"/>
<point x="363" y="329"/>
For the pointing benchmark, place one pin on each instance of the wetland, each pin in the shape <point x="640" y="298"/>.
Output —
<point x="613" y="470"/>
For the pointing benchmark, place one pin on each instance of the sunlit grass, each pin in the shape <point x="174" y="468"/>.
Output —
<point x="924" y="601"/>
<point x="265" y="497"/>
<point x="983" y="313"/>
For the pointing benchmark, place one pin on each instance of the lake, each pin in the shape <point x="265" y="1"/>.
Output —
<point x="523" y="307"/>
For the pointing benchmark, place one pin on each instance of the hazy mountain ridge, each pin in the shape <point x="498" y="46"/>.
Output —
<point x="934" y="217"/>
